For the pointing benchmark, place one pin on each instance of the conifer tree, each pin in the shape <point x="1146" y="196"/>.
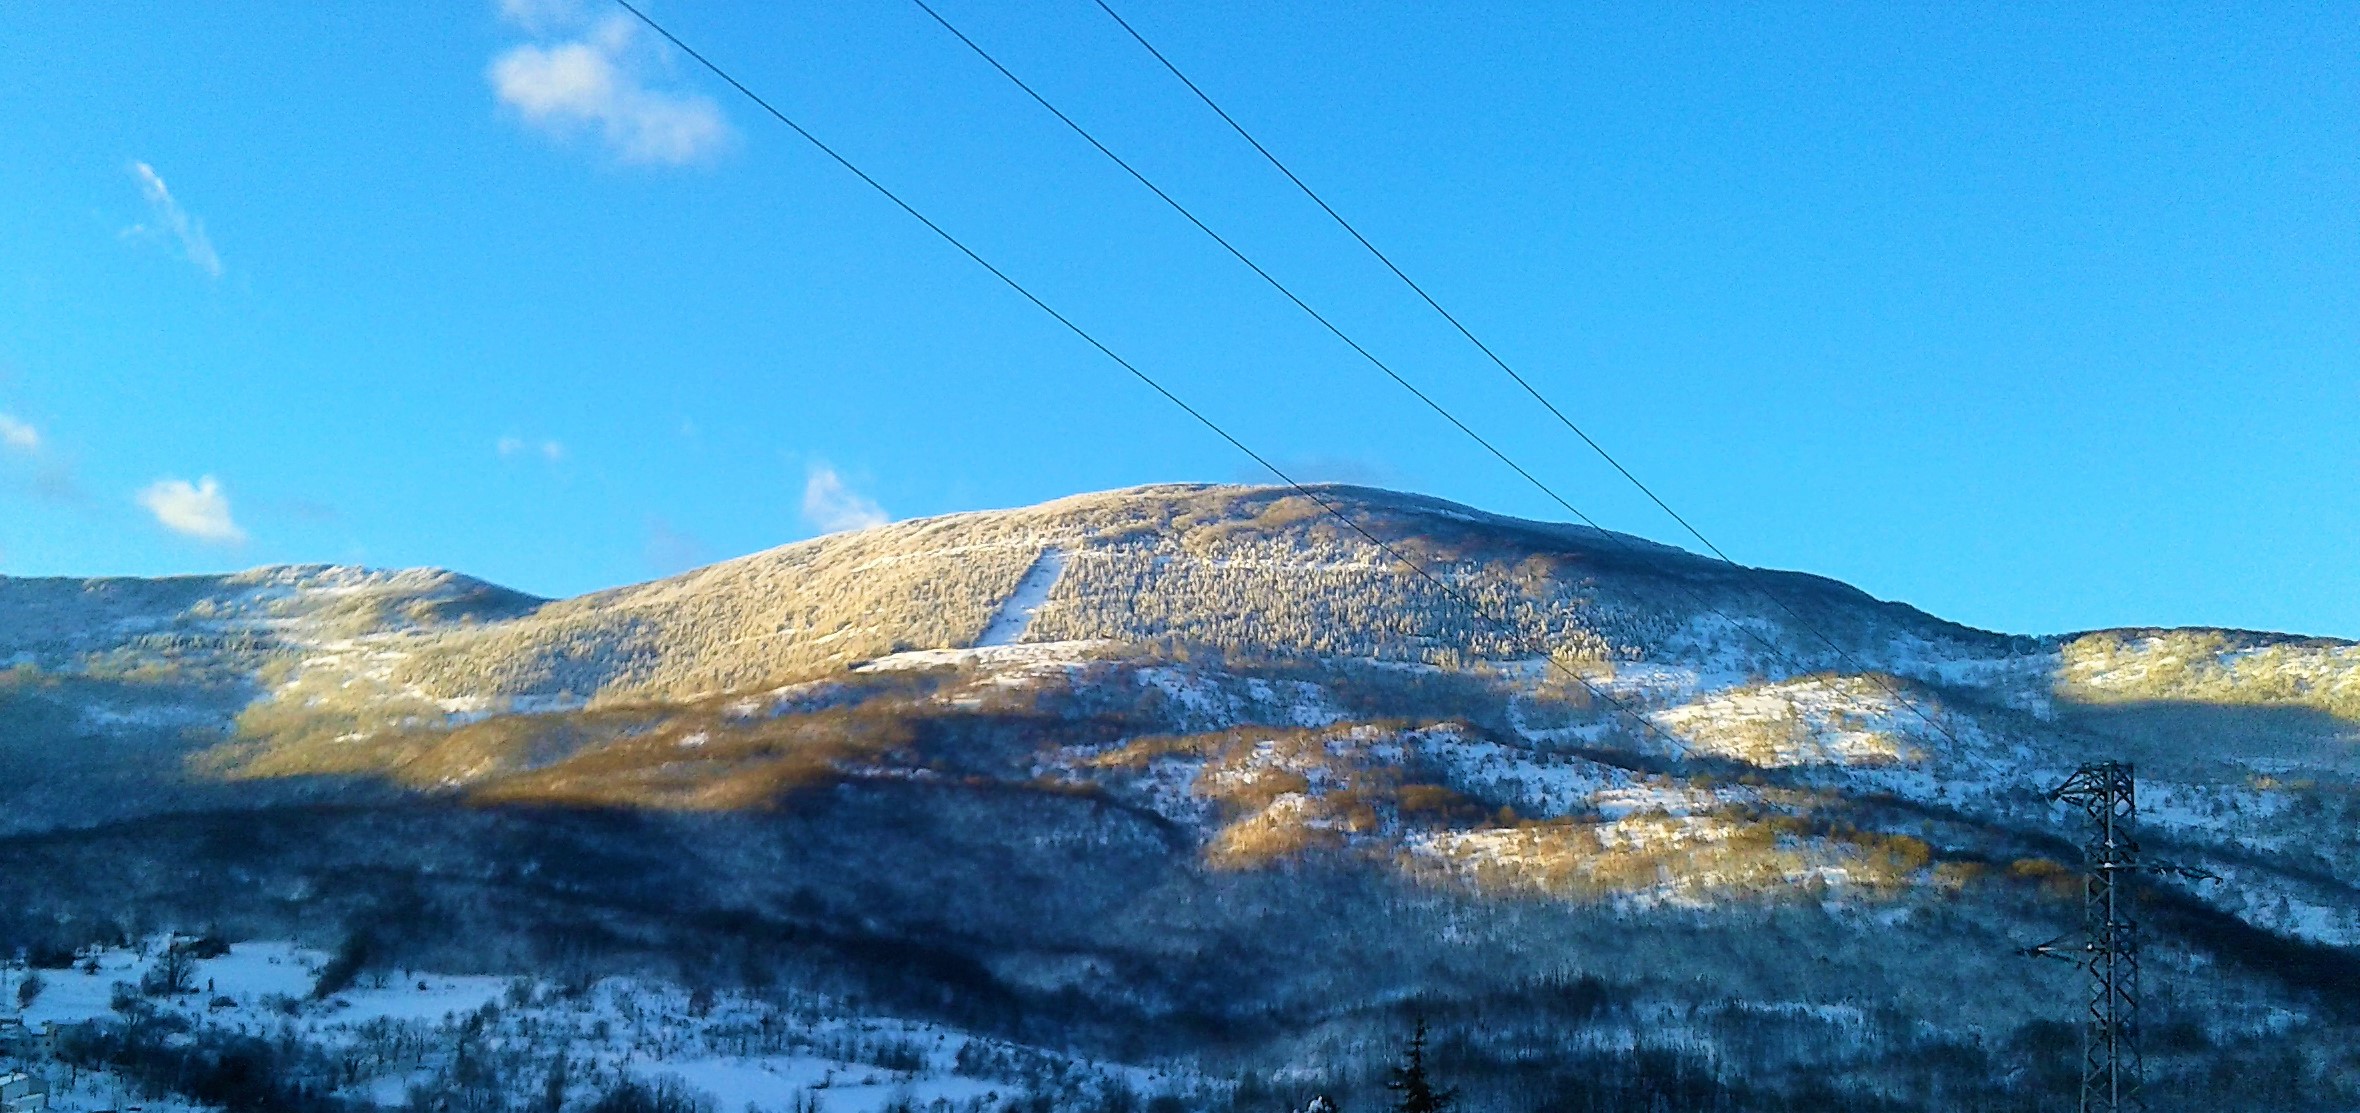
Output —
<point x="1416" y="1092"/>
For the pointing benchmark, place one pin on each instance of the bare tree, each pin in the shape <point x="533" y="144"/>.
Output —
<point x="175" y="971"/>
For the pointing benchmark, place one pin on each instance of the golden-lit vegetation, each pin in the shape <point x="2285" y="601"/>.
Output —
<point x="1229" y="570"/>
<point x="1287" y="827"/>
<point x="1593" y="860"/>
<point x="1279" y="792"/>
<point x="1824" y="719"/>
<point x="1727" y="853"/>
<point x="710" y="765"/>
<point x="1248" y="591"/>
<point x="2055" y="878"/>
<point x="2210" y="667"/>
<point x="719" y="753"/>
<point x="741" y="624"/>
<point x="25" y="678"/>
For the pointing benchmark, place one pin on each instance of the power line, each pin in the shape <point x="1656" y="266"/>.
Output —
<point x="1397" y="378"/>
<point x="1264" y="275"/>
<point x="1381" y="257"/>
<point x="1488" y="353"/>
<point x="1199" y="416"/>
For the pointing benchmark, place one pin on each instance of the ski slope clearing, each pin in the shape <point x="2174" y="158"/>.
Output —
<point x="1016" y="615"/>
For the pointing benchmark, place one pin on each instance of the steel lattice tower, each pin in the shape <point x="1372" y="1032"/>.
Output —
<point x="2112" y="1071"/>
<point x="2111" y="1068"/>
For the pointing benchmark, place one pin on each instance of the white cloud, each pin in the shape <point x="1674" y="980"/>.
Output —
<point x="198" y="510"/>
<point x="19" y="435"/>
<point x="549" y="450"/>
<point x="174" y="221"/>
<point x="834" y="507"/>
<point x="594" y="83"/>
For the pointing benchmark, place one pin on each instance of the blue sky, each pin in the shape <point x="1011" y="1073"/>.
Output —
<point x="2040" y="319"/>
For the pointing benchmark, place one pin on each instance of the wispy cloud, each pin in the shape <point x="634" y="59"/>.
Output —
<point x="835" y="507"/>
<point x="597" y="81"/>
<point x="173" y="221"/>
<point x="199" y="510"/>
<point x="19" y="436"/>
<point x="512" y="447"/>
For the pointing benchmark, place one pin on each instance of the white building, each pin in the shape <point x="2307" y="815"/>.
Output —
<point x="20" y="1093"/>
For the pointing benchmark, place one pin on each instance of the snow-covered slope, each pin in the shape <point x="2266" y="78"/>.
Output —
<point x="1128" y="726"/>
<point x="390" y="1033"/>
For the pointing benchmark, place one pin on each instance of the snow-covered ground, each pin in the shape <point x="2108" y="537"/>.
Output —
<point x="395" y="1029"/>
<point x="1221" y="699"/>
<point x="1031" y="657"/>
<point x="775" y="1082"/>
<point x="1535" y="783"/>
<point x="258" y="981"/>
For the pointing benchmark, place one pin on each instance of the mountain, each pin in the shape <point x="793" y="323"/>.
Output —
<point x="1204" y="777"/>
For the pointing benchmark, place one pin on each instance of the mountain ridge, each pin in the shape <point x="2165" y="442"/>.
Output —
<point x="1630" y="543"/>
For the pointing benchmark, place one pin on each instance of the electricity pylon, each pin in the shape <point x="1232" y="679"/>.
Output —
<point x="2112" y="1071"/>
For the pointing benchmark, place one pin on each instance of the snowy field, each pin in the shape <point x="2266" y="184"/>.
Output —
<point x="392" y="1031"/>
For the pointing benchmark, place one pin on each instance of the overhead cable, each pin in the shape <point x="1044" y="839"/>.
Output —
<point x="1422" y="396"/>
<point x="1199" y="416"/>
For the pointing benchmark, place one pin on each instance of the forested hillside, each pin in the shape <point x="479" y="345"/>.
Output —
<point x="1198" y="780"/>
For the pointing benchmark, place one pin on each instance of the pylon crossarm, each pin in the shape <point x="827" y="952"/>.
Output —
<point x="2075" y="953"/>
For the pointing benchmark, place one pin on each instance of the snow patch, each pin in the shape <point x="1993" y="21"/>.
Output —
<point x="1016" y="614"/>
<point x="1037" y="656"/>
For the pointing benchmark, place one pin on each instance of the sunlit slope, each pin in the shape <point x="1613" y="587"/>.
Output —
<point x="1257" y="574"/>
<point x="1242" y="570"/>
